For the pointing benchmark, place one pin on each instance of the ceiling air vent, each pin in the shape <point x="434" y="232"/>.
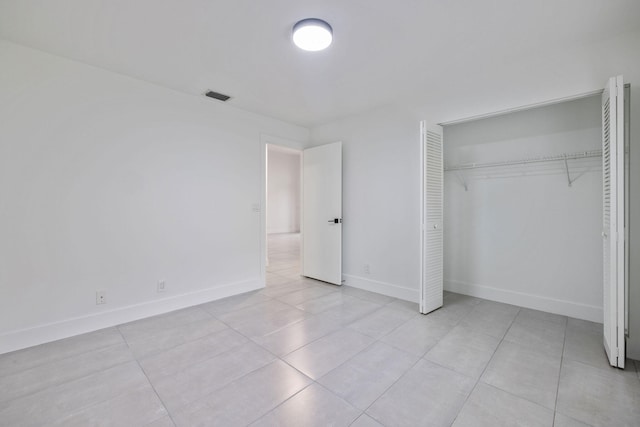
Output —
<point x="218" y="96"/>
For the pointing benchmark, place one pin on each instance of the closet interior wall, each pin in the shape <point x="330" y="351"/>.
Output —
<point x="521" y="234"/>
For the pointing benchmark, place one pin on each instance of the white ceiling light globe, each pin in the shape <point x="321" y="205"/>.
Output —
<point x="312" y="34"/>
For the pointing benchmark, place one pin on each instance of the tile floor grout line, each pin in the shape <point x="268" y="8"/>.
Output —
<point x="283" y="402"/>
<point x="235" y="309"/>
<point x="392" y="330"/>
<point x="297" y="348"/>
<point x="208" y="359"/>
<point x="419" y="358"/>
<point x="149" y="382"/>
<point x="62" y="358"/>
<point x="251" y="339"/>
<point x="349" y="359"/>
<point x="167" y="329"/>
<point x="272" y="332"/>
<point x="163" y="350"/>
<point x="97" y="404"/>
<point x="253" y="307"/>
<point x="67" y="381"/>
<point x="342" y="399"/>
<point x="485" y="368"/>
<point x="362" y="413"/>
<point x="293" y="286"/>
<point x="334" y="307"/>
<point x="216" y="390"/>
<point x="235" y="347"/>
<point x="313" y="382"/>
<point x="60" y="384"/>
<point x="510" y="393"/>
<point x="564" y="341"/>
<point x="349" y="326"/>
<point x="387" y="389"/>
<point x="454" y="325"/>
<point x="363" y="349"/>
<point x="200" y="398"/>
<point x="306" y="300"/>
<point x="341" y="287"/>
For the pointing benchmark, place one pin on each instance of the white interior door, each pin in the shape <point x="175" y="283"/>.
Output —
<point x="431" y="291"/>
<point x="613" y="220"/>
<point x="322" y="213"/>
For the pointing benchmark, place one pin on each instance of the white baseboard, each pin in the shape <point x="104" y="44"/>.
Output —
<point x="383" y="288"/>
<point x="536" y="302"/>
<point x="16" y="340"/>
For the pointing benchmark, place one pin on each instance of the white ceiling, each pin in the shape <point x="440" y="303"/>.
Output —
<point x="411" y="52"/>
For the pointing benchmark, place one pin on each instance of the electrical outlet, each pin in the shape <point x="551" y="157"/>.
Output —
<point x="101" y="297"/>
<point x="367" y="269"/>
<point x="161" y="285"/>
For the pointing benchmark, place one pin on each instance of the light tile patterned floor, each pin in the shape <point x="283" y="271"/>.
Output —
<point x="304" y="353"/>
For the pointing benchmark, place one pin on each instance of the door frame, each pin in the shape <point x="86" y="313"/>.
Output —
<point x="265" y="140"/>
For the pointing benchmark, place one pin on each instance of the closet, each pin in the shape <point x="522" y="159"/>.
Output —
<point x="533" y="211"/>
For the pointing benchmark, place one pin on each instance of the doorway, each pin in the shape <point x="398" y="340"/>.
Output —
<point x="283" y="214"/>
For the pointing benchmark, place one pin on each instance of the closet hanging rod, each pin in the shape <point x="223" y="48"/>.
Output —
<point x="561" y="157"/>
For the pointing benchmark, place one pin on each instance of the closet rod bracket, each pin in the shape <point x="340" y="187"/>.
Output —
<point x="464" y="181"/>
<point x="566" y="167"/>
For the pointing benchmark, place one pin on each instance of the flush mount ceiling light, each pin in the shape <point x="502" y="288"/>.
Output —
<point x="312" y="34"/>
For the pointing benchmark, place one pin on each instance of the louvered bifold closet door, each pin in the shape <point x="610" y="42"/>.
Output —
<point x="613" y="220"/>
<point x="431" y="293"/>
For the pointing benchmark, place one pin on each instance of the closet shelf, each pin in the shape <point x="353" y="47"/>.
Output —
<point x="557" y="158"/>
<point x="561" y="157"/>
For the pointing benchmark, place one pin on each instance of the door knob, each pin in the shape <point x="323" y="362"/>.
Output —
<point x="335" y="221"/>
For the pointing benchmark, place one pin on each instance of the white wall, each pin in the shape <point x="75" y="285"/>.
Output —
<point x="381" y="199"/>
<point x="528" y="239"/>
<point x="109" y="183"/>
<point x="283" y="190"/>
